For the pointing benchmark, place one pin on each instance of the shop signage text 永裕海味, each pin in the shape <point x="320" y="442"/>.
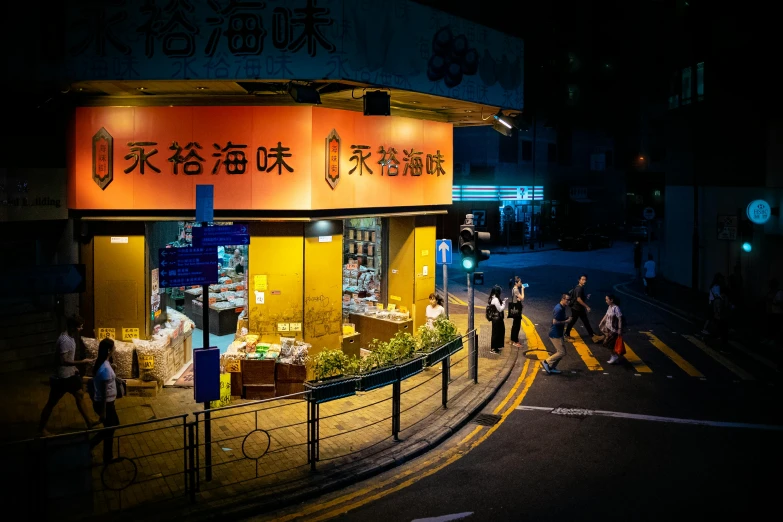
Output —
<point x="232" y="159"/>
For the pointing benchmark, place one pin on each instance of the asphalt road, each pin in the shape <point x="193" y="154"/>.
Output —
<point x="687" y="431"/>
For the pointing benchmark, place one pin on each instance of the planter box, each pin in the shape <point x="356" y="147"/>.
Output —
<point x="290" y="372"/>
<point x="377" y="378"/>
<point x="443" y="351"/>
<point x="331" y="389"/>
<point x="410" y="368"/>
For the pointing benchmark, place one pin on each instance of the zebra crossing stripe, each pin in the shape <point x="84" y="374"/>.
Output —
<point x="674" y="356"/>
<point x="739" y="372"/>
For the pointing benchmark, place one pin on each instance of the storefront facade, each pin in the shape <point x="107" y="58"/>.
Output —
<point x="324" y="193"/>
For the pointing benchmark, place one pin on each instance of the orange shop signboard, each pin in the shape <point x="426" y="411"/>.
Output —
<point x="258" y="158"/>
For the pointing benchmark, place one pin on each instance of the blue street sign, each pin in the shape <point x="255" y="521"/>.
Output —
<point x="205" y="203"/>
<point x="220" y="236"/>
<point x="443" y="251"/>
<point x="206" y="374"/>
<point x="187" y="266"/>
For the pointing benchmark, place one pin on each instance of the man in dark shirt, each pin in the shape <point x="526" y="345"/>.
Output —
<point x="579" y="309"/>
<point x="559" y="321"/>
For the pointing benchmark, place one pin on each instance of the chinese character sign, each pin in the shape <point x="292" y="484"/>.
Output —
<point x="258" y="158"/>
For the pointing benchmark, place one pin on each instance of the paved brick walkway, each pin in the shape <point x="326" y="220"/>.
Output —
<point x="351" y="429"/>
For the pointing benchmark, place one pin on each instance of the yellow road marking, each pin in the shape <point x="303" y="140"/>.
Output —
<point x="418" y="472"/>
<point x="534" y="341"/>
<point x="742" y="374"/>
<point x="456" y="300"/>
<point x="674" y="356"/>
<point x="584" y="352"/>
<point x="635" y="361"/>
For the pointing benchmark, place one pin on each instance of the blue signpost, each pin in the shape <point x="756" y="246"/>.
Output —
<point x="220" y="235"/>
<point x="443" y="257"/>
<point x="188" y="267"/>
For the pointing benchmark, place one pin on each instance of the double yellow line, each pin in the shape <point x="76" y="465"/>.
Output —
<point x="415" y="473"/>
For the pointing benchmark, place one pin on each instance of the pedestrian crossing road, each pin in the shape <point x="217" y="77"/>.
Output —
<point x="653" y="352"/>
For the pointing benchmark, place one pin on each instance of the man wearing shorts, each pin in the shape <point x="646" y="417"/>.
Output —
<point x="66" y="378"/>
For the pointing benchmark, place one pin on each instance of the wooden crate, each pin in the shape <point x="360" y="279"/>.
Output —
<point x="257" y="392"/>
<point x="290" y="372"/>
<point x="236" y="384"/>
<point x="289" y="387"/>
<point x="258" y="371"/>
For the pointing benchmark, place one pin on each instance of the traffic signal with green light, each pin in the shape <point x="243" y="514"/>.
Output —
<point x="746" y="235"/>
<point x="470" y="245"/>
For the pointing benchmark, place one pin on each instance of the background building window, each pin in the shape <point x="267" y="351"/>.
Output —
<point x="700" y="81"/>
<point x="508" y="149"/>
<point x="527" y="150"/>
<point x="551" y="152"/>
<point x="686" y="86"/>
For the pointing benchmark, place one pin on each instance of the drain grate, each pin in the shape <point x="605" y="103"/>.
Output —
<point x="485" y="419"/>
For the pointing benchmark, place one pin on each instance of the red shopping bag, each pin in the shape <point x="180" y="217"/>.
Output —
<point x="619" y="346"/>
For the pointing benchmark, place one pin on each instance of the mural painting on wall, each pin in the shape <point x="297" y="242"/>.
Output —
<point x="355" y="40"/>
<point x="321" y="317"/>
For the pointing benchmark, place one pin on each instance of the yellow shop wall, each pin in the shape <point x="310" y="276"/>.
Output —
<point x="424" y="240"/>
<point x="119" y="279"/>
<point x="281" y="260"/>
<point x="401" y="261"/>
<point x="323" y="293"/>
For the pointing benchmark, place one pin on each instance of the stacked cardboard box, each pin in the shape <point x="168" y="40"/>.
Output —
<point x="258" y="378"/>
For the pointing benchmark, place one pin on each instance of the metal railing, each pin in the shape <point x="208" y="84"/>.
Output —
<point x="274" y="444"/>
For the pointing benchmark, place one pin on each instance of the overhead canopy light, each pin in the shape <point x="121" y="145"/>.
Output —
<point x="377" y="103"/>
<point x="505" y="130"/>
<point x="304" y="93"/>
<point x="502" y="119"/>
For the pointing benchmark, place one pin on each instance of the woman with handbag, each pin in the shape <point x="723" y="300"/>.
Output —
<point x="611" y="327"/>
<point x="515" y="310"/>
<point x="495" y="311"/>
<point x="105" y="393"/>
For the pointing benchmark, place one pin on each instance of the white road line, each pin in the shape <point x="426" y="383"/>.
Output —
<point x="445" y="518"/>
<point x="654" y="418"/>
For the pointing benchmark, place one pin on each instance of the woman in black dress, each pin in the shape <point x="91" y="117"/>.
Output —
<point x="498" y="326"/>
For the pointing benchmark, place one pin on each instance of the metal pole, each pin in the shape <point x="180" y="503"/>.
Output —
<point x="445" y="366"/>
<point x="472" y="348"/>
<point x="207" y="415"/>
<point x="396" y="389"/>
<point x="192" y="459"/>
<point x="446" y="287"/>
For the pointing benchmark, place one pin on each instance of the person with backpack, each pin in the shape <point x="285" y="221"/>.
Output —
<point x="579" y="309"/>
<point x="515" y="310"/>
<point x="495" y="311"/>
<point x="104" y="384"/>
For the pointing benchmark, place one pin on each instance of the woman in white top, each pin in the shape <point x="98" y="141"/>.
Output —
<point x="105" y="383"/>
<point x="435" y="309"/>
<point x="611" y="327"/>
<point x="499" y="326"/>
<point x="517" y="296"/>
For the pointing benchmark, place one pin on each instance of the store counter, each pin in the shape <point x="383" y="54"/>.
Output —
<point x="221" y="322"/>
<point x="369" y="328"/>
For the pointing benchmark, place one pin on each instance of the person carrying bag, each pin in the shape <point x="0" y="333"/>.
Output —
<point x="515" y="310"/>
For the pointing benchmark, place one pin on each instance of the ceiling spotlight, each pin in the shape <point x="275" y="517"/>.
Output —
<point x="304" y="93"/>
<point x="502" y="119"/>
<point x="141" y="88"/>
<point x="377" y="103"/>
<point x="202" y="88"/>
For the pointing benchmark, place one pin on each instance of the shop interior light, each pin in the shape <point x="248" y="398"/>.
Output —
<point x="304" y="93"/>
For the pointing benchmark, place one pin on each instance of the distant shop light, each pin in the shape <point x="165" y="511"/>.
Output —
<point x="304" y="93"/>
<point x="496" y="193"/>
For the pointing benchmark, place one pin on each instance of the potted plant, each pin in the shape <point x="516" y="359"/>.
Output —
<point x="403" y="346"/>
<point x="330" y="382"/>
<point x="441" y="341"/>
<point x="377" y="369"/>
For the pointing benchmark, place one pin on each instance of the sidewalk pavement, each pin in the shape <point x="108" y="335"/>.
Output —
<point x="355" y="435"/>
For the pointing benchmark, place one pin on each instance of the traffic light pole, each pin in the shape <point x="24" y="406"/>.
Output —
<point x="472" y="344"/>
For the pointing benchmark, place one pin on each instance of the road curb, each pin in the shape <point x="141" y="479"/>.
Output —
<point x="352" y="473"/>
<point x="655" y="302"/>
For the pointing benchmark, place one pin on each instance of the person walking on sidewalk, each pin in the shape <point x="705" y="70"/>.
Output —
<point x="716" y="290"/>
<point x="498" y="325"/>
<point x="66" y="378"/>
<point x="105" y="383"/>
<point x="637" y="259"/>
<point x="579" y="309"/>
<point x="649" y="276"/>
<point x="515" y="310"/>
<point x="556" y="335"/>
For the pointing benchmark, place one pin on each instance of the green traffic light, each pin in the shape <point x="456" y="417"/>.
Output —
<point x="747" y="247"/>
<point x="468" y="263"/>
